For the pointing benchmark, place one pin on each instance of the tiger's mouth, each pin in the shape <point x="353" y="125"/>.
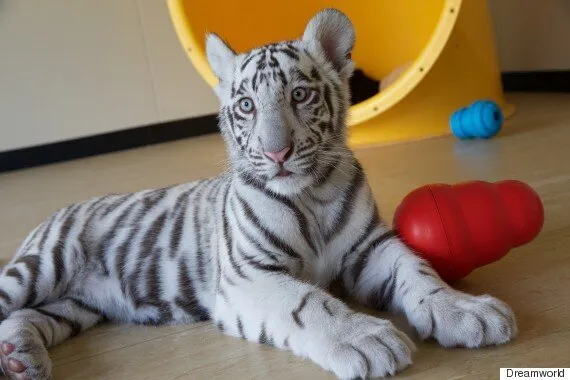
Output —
<point x="284" y="173"/>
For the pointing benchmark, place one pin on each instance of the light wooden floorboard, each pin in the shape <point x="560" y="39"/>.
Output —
<point x="533" y="279"/>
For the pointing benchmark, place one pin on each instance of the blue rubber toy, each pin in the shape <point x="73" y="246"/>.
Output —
<point x="482" y="119"/>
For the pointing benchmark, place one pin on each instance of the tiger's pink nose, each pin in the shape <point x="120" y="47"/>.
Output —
<point x="279" y="157"/>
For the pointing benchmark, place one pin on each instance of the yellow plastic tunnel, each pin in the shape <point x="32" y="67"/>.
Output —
<point x="446" y="47"/>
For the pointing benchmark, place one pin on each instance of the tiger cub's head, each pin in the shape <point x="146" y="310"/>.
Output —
<point x="283" y="105"/>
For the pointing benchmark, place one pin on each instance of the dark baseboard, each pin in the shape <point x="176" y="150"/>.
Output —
<point x="545" y="81"/>
<point x="107" y="143"/>
<point x="537" y="81"/>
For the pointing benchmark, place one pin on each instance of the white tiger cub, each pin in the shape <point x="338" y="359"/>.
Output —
<point x="253" y="249"/>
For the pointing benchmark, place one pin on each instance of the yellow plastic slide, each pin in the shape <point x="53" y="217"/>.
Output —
<point x="442" y="50"/>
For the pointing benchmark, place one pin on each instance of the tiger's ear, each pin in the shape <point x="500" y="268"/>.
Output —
<point x="220" y="56"/>
<point x="331" y="33"/>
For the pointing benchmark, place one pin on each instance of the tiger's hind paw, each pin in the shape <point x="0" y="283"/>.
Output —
<point x="23" y="355"/>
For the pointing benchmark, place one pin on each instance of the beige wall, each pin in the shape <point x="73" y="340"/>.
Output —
<point x="532" y="34"/>
<point x="71" y="68"/>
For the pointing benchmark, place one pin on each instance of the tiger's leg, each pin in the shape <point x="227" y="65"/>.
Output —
<point x="14" y="283"/>
<point x="20" y="282"/>
<point x="385" y="273"/>
<point x="27" y="333"/>
<point x="42" y="272"/>
<point x="47" y="262"/>
<point x="273" y="307"/>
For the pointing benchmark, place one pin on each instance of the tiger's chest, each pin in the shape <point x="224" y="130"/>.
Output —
<point x="316" y="232"/>
<point x="309" y="235"/>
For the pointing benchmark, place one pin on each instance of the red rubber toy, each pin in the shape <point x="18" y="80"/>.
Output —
<point x="458" y="228"/>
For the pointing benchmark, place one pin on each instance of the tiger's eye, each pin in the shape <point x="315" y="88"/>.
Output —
<point x="299" y="94"/>
<point x="246" y="105"/>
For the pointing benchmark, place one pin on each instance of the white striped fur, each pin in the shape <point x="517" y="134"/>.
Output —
<point x="252" y="250"/>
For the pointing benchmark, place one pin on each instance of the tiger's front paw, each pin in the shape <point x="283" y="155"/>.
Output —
<point x="366" y="347"/>
<point x="457" y="319"/>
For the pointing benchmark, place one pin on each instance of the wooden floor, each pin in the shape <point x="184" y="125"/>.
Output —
<point x="534" y="279"/>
